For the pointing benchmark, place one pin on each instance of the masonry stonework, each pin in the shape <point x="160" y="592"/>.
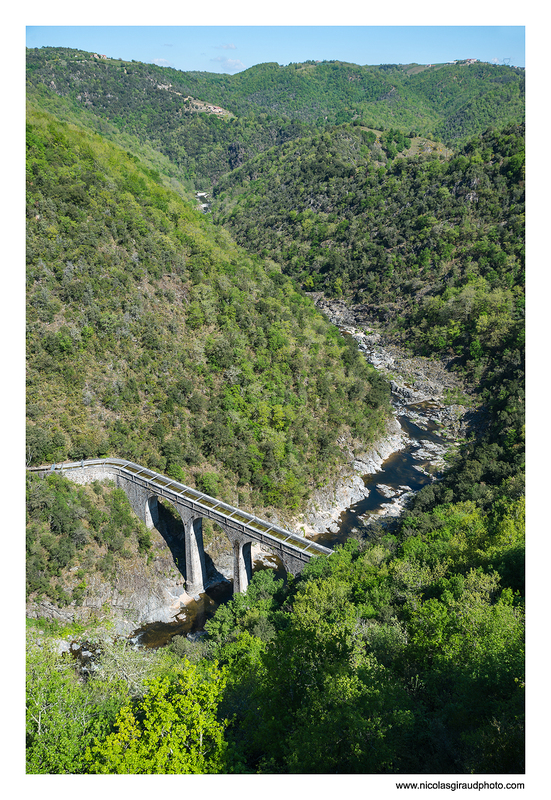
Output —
<point x="143" y="488"/>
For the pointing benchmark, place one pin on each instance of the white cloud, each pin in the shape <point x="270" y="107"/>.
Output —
<point x="229" y="63"/>
<point x="225" y="47"/>
<point x="162" y="62"/>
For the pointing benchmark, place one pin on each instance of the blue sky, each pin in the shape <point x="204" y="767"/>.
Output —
<point x="231" y="49"/>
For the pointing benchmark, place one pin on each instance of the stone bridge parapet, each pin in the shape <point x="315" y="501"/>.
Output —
<point x="143" y="486"/>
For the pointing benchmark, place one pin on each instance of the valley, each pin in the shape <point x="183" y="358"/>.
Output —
<point x="309" y="306"/>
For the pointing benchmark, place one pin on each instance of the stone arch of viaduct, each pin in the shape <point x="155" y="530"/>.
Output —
<point x="143" y="487"/>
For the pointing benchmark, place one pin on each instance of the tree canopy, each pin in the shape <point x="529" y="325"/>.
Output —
<point x="188" y="342"/>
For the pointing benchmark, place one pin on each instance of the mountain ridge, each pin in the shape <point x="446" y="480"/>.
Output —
<point x="449" y="103"/>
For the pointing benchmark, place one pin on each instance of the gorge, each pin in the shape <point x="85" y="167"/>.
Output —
<point x="334" y="352"/>
<point x="373" y="491"/>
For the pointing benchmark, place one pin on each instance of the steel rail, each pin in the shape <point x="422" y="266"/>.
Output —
<point x="234" y="518"/>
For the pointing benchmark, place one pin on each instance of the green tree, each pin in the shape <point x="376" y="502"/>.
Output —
<point x="63" y="714"/>
<point x="355" y="724"/>
<point x="174" y="729"/>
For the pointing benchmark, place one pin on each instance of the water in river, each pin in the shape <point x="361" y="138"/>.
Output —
<point x="403" y="473"/>
<point x="191" y="620"/>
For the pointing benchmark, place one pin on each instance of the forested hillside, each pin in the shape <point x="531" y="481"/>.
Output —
<point x="430" y="245"/>
<point x="152" y="336"/>
<point x="268" y="104"/>
<point x="345" y="213"/>
<point x="188" y="342"/>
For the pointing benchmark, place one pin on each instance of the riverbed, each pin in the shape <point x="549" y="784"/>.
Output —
<point x="433" y="413"/>
<point x="376" y="487"/>
<point x="403" y="474"/>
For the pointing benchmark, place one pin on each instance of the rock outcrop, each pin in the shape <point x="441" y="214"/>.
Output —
<point x="420" y="391"/>
<point x="327" y="504"/>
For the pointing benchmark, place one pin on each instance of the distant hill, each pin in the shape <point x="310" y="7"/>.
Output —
<point x="428" y="237"/>
<point x="207" y="124"/>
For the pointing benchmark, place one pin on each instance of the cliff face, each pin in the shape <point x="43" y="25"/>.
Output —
<point x="136" y="589"/>
<point x="135" y="592"/>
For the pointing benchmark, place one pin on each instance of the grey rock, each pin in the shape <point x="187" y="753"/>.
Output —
<point x="385" y="490"/>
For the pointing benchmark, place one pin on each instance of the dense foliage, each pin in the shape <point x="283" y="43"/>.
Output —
<point x="63" y="712"/>
<point x="142" y="108"/>
<point x="432" y="246"/>
<point x="173" y="729"/>
<point x="152" y="335"/>
<point x="269" y="104"/>
<point x="401" y="656"/>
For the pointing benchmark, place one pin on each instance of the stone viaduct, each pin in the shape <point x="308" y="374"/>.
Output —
<point x="143" y="487"/>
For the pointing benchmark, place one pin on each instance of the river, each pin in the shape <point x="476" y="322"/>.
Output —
<point x="402" y="474"/>
<point x="429" y="426"/>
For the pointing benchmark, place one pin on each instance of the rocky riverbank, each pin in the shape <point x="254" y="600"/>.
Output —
<point x="425" y="392"/>
<point x="433" y="412"/>
<point x="327" y="503"/>
<point x="137" y="592"/>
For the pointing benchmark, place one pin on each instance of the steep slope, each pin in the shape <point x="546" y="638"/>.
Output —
<point x="431" y="246"/>
<point x="268" y="104"/>
<point x="152" y="336"/>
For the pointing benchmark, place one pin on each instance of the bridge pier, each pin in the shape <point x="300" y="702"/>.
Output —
<point x="193" y="541"/>
<point x="151" y="513"/>
<point x="195" y="555"/>
<point x="242" y="565"/>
